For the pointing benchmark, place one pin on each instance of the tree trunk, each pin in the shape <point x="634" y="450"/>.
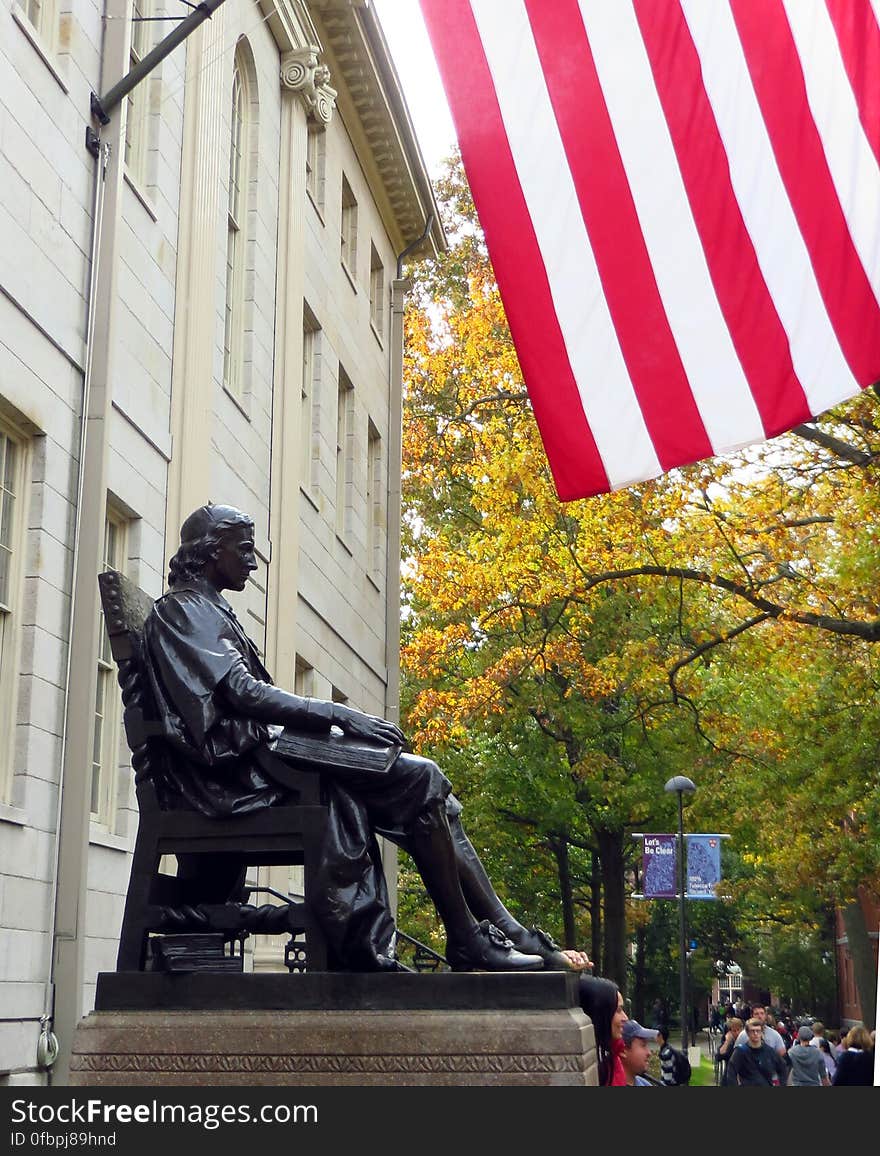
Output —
<point x="864" y="968"/>
<point x="639" y="976"/>
<point x="566" y="893"/>
<point x="595" y="911"/>
<point x="612" y="864"/>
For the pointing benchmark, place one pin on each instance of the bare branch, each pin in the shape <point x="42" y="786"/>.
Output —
<point x="869" y="631"/>
<point x="840" y="448"/>
<point x="705" y="647"/>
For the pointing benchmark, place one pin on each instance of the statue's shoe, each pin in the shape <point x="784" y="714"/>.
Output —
<point x="487" y="949"/>
<point x="536" y="941"/>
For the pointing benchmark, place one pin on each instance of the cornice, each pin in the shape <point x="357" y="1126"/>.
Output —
<point x="291" y="25"/>
<point x="371" y="104"/>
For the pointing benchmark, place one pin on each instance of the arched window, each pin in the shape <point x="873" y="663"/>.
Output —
<point x="236" y="227"/>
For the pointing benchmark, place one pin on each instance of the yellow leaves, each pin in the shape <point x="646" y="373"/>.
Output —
<point x="596" y="767"/>
<point x="425" y="656"/>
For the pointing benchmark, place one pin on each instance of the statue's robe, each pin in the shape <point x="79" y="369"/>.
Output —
<point x="226" y="762"/>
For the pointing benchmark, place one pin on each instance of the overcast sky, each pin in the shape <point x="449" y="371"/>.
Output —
<point x="408" y="39"/>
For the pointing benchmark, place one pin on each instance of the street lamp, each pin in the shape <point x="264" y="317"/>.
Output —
<point x="680" y="784"/>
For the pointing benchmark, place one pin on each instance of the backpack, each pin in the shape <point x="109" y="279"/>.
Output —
<point x="682" y="1067"/>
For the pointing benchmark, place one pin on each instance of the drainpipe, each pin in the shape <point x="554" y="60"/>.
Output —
<point x="411" y="248"/>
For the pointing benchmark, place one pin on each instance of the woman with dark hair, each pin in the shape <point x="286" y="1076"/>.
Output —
<point x="602" y="1002"/>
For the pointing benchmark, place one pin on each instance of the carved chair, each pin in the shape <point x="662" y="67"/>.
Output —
<point x="157" y="902"/>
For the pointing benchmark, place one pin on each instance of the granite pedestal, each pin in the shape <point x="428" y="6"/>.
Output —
<point x="334" y="1029"/>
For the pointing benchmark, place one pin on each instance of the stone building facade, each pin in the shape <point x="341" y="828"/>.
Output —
<point x="205" y="303"/>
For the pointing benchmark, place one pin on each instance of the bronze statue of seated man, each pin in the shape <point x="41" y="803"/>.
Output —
<point x="231" y="730"/>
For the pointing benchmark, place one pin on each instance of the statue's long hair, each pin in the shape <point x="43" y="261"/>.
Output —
<point x="194" y="555"/>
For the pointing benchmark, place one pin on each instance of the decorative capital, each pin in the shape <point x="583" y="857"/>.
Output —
<point x="309" y="79"/>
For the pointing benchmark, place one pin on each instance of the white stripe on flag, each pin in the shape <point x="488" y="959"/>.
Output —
<point x="851" y="160"/>
<point x="779" y="246"/>
<point x="601" y="374"/>
<point x="713" y="369"/>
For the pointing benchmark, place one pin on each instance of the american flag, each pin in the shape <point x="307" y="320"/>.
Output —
<point x="681" y="201"/>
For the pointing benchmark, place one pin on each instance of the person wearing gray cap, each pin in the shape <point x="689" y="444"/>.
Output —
<point x="807" y="1064"/>
<point x="636" y="1055"/>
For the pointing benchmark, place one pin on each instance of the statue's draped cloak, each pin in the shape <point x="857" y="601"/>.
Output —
<point x="222" y="766"/>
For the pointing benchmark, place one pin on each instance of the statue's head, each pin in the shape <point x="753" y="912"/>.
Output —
<point x="200" y="536"/>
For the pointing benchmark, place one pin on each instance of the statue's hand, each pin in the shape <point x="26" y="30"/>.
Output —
<point x="578" y="960"/>
<point x="367" y="726"/>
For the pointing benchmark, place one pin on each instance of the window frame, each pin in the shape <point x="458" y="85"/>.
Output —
<point x="45" y="25"/>
<point x="377" y="293"/>
<point x="237" y="213"/>
<point x="375" y="505"/>
<point x="316" y="166"/>
<point x="344" y="452"/>
<point x="137" y="104"/>
<point x="348" y="230"/>
<point x="104" y="779"/>
<point x="10" y="621"/>
<point x="309" y="385"/>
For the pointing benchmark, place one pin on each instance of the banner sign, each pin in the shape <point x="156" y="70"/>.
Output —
<point x="703" y="866"/>
<point x="659" y="863"/>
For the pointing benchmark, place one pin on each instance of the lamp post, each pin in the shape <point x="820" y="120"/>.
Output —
<point x="680" y="784"/>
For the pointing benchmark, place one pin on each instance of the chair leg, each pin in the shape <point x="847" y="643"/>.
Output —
<point x="316" y="943"/>
<point x="133" y="936"/>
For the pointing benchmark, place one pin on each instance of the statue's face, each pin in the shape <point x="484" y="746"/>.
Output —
<point x="235" y="558"/>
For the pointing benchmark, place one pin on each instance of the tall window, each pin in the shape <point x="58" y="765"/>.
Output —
<point x="336" y="695"/>
<point x="344" y="450"/>
<point x="233" y="331"/>
<point x="375" y="507"/>
<point x="11" y="474"/>
<point x="308" y="385"/>
<point x="348" y="231"/>
<point x="377" y="291"/>
<point x="41" y="14"/>
<point x="105" y="739"/>
<point x="316" y="152"/>
<point x="137" y="103"/>
<point x="304" y="678"/>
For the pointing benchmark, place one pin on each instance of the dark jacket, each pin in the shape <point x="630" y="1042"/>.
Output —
<point x="756" y="1067"/>
<point x="855" y="1069"/>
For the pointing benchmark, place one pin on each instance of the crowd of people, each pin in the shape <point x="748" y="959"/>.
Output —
<point x="758" y="1048"/>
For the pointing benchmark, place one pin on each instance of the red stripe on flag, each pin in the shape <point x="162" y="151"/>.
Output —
<point x="858" y="36"/>
<point x="758" y="335"/>
<point x="516" y="257"/>
<point x="773" y="63"/>
<point x="655" y="367"/>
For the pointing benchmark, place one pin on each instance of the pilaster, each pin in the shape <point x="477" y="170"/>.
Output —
<point x="195" y="321"/>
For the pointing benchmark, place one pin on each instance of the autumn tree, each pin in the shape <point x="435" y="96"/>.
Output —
<point x="583" y="653"/>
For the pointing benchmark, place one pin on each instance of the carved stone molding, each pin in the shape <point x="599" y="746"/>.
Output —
<point x="220" y="1063"/>
<point x="303" y="73"/>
